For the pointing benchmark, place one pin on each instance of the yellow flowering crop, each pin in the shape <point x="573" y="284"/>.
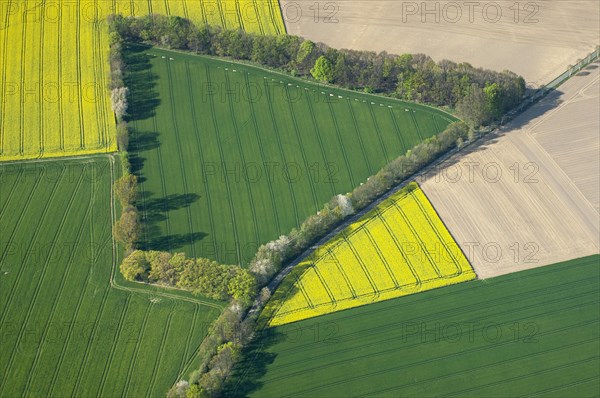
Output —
<point x="54" y="67"/>
<point x="399" y="248"/>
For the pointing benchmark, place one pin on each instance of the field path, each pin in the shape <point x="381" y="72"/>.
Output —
<point x="113" y="281"/>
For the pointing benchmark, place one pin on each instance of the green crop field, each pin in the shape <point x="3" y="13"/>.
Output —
<point x="69" y="325"/>
<point x="231" y="156"/>
<point x="531" y="333"/>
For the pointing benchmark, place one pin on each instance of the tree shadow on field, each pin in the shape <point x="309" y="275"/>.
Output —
<point x="169" y="202"/>
<point x="172" y="242"/>
<point x="262" y="351"/>
<point x="138" y="143"/>
<point x="143" y="101"/>
<point x="155" y="211"/>
<point x="248" y="372"/>
<point x="141" y="81"/>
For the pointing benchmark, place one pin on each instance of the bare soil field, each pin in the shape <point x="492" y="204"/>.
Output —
<point x="535" y="39"/>
<point x="569" y="133"/>
<point x="529" y="195"/>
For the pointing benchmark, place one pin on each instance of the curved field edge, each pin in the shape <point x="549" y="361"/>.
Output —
<point x="71" y="331"/>
<point x="533" y="332"/>
<point x="384" y="255"/>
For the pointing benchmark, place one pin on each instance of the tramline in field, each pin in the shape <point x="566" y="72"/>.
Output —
<point x="531" y="333"/>
<point x="54" y="75"/>
<point x="234" y="156"/>
<point x="254" y="16"/>
<point x="401" y="247"/>
<point x="70" y="325"/>
<point x="54" y="67"/>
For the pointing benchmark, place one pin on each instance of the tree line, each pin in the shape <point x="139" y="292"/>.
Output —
<point x="201" y="276"/>
<point x="222" y="347"/>
<point x="479" y="96"/>
<point x="271" y="256"/>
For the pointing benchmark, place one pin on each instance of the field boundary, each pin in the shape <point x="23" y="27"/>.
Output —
<point x="115" y="284"/>
<point x="482" y="135"/>
<point x="348" y="263"/>
<point x="113" y="281"/>
<point x="464" y="307"/>
<point x="407" y="104"/>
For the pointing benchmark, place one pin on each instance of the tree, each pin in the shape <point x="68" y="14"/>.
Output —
<point x="118" y="98"/>
<point x="211" y="382"/>
<point x="304" y="56"/>
<point x="161" y="270"/>
<point x="181" y="388"/>
<point x="122" y="135"/>
<point x="195" y="391"/>
<point x="493" y="98"/>
<point x="263" y="266"/>
<point x="340" y="73"/>
<point x="126" y="189"/>
<point x="200" y="40"/>
<point x="323" y="69"/>
<point x="227" y="356"/>
<point x="135" y="266"/>
<point x="474" y="107"/>
<point x="127" y="229"/>
<point x="345" y="205"/>
<point x="242" y="286"/>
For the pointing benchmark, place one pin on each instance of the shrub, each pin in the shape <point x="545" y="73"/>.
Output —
<point x="118" y="98"/>
<point x="126" y="189"/>
<point x="135" y="266"/>
<point x="122" y="135"/>
<point x="127" y="229"/>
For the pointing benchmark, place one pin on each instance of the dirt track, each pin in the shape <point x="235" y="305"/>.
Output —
<point x="538" y="41"/>
<point x="529" y="196"/>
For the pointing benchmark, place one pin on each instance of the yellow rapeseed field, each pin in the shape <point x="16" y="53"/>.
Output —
<point x="256" y="16"/>
<point x="54" y="80"/>
<point x="54" y="67"/>
<point x="400" y="248"/>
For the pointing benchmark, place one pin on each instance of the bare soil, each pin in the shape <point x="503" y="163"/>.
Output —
<point x="537" y="39"/>
<point x="529" y="196"/>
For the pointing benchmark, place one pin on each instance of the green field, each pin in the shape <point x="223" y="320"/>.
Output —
<point x="69" y="326"/>
<point x="231" y="156"/>
<point x="532" y="333"/>
<point x="255" y="16"/>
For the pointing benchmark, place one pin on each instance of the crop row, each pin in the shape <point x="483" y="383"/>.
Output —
<point x="65" y="330"/>
<point x="276" y="157"/>
<point x="401" y="248"/>
<point x="55" y="68"/>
